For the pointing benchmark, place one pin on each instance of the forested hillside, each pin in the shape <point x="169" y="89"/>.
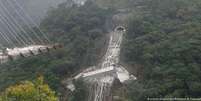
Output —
<point x="162" y="46"/>
<point x="82" y="32"/>
<point x="163" y="42"/>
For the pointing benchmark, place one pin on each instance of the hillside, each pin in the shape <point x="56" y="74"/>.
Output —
<point x="80" y="29"/>
<point x="163" y="44"/>
<point x="162" y="47"/>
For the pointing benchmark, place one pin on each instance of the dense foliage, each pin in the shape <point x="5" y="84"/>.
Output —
<point x="82" y="32"/>
<point x="115" y="4"/>
<point x="163" y="42"/>
<point x="80" y="93"/>
<point x="29" y="91"/>
<point x="81" y="29"/>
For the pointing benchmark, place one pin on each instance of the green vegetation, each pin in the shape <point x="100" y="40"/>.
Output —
<point x="115" y="4"/>
<point x="82" y="32"/>
<point x="29" y="91"/>
<point x="163" y="42"/>
<point x="80" y="93"/>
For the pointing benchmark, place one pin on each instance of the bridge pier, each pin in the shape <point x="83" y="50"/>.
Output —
<point x="102" y="78"/>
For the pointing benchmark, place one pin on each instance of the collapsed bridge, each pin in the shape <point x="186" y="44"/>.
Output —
<point x="32" y="50"/>
<point x="100" y="78"/>
<point x="20" y="36"/>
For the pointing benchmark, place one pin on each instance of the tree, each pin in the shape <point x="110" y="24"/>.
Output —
<point x="82" y="31"/>
<point x="163" y="39"/>
<point x="29" y="91"/>
<point x="81" y="92"/>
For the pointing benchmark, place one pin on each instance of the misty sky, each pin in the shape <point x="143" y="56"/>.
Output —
<point x="37" y="8"/>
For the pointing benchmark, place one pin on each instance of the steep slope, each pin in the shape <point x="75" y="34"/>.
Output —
<point x="80" y="29"/>
<point x="163" y="44"/>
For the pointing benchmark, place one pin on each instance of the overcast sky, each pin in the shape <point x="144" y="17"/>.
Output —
<point x="37" y="8"/>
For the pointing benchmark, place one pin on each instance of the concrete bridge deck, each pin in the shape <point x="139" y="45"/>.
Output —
<point x="15" y="53"/>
